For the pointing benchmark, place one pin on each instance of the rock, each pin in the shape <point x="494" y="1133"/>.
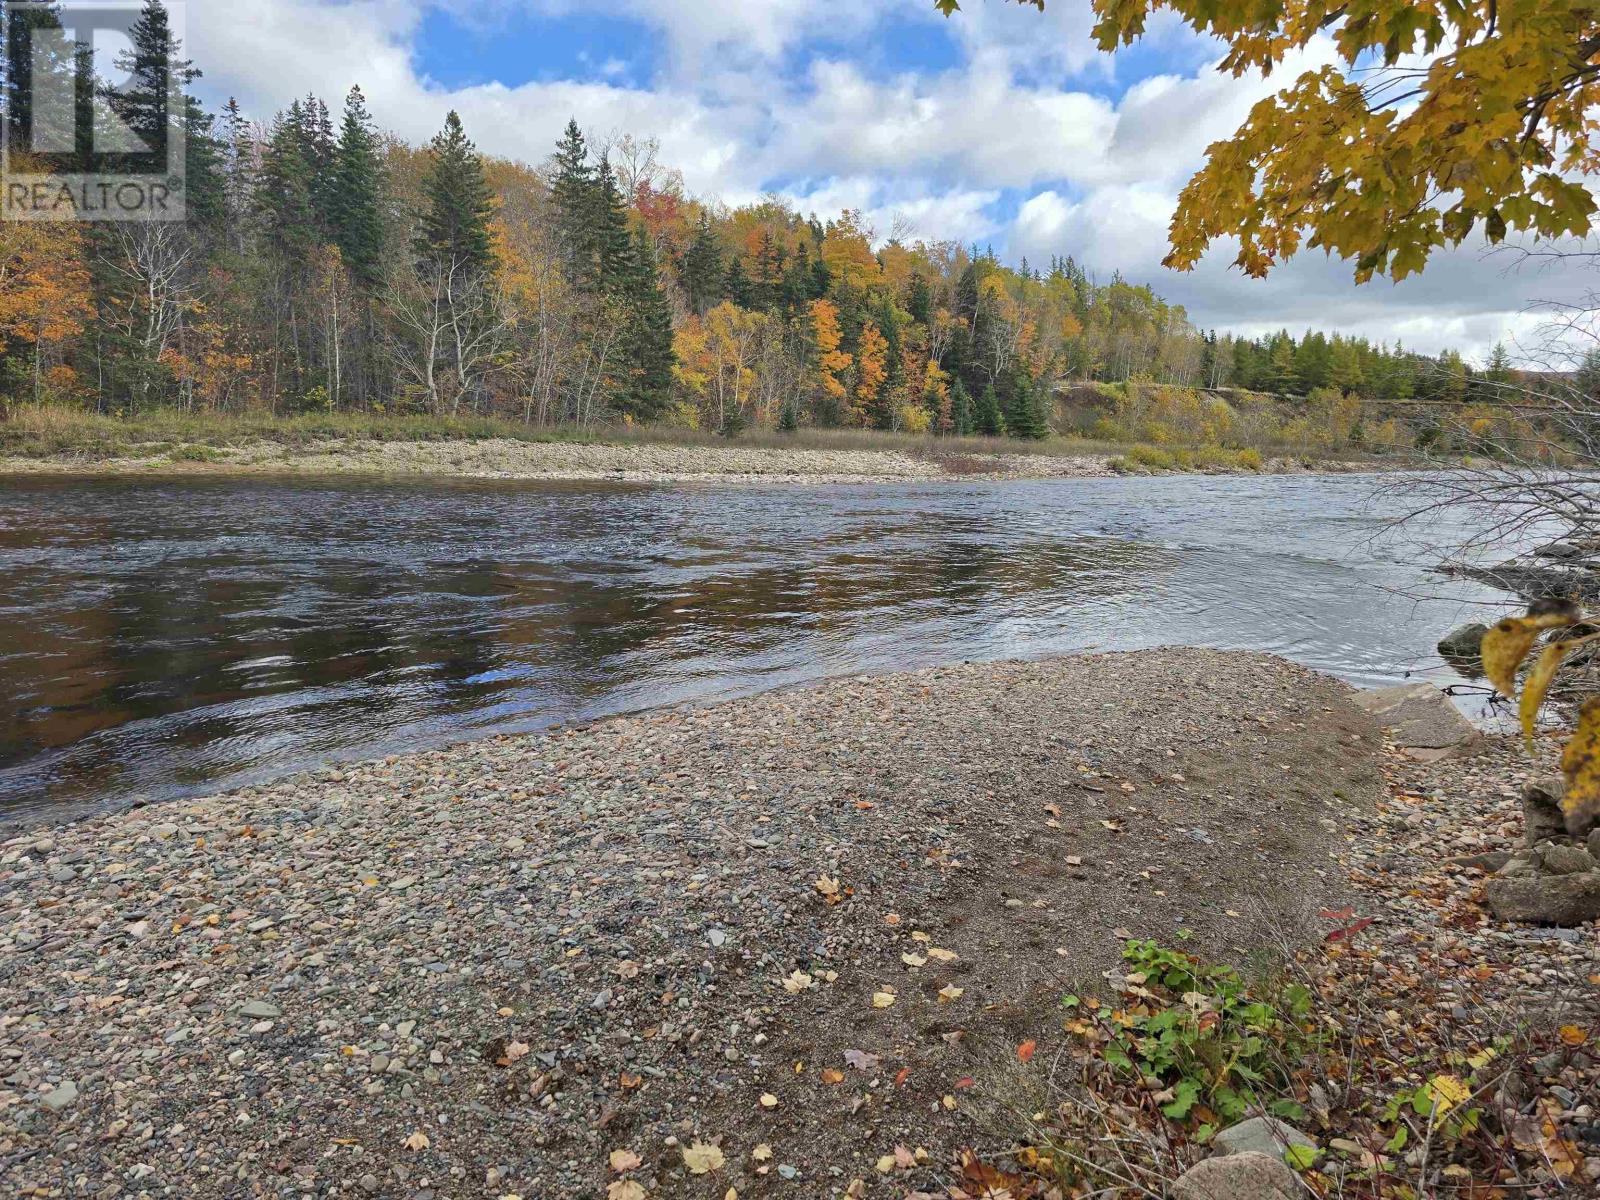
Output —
<point x="1545" y="899"/>
<point x="63" y="1096"/>
<point x="1541" y="810"/>
<point x="1464" y="643"/>
<point x="1488" y="862"/>
<point x="1524" y="862"/>
<point x="1420" y="716"/>
<point x="260" y="1010"/>
<point x="1594" y="845"/>
<point x="1561" y="859"/>
<point x="1262" y="1135"/>
<point x="1249" y="1175"/>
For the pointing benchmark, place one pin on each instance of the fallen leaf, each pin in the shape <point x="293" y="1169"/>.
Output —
<point x="798" y="981"/>
<point x="861" y="1060"/>
<point x="1574" y="1035"/>
<point x="944" y="956"/>
<point x="900" y="1076"/>
<point x="624" y="1160"/>
<point x="913" y="960"/>
<point x="963" y="1083"/>
<point x="768" y="1100"/>
<point x="761" y="1153"/>
<point x="702" y="1159"/>
<point x="950" y="992"/>
<point x="828" y="889"/>
<point x="883" y="999"/>
<point x="1025" y="1051"/>
<point x="418" y="1141"/>
<point x="832" y="1075"/>
<point x="625" y="1189"/>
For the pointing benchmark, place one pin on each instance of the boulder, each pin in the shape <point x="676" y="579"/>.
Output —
<point x="1545" y="899"/>
<point x="1558" y="858"/>
<point x="1542" y="819"/>
<point x="1260" y="1135"/>
<point x="1419" y="716"/>
<point x="1594" y="845"/>
<point x="1246" y="1176"/>
<point x="1464" y="643"/>
<point x="1489" y="861"/>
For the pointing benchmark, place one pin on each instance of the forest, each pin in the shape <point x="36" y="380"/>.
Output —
<point x="327" y="266"/>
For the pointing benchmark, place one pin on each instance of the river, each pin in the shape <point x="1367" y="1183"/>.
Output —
<point x="162" y="638"/>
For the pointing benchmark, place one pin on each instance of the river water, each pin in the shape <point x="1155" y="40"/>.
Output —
<point x="169" y="638"/>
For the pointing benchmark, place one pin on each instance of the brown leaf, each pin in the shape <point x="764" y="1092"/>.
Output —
<point x="624" y="1160"/>
<point x="861" y="1060"/>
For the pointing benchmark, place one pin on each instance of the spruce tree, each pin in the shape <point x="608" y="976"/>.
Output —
<point x="960" y="408"/>
<point x="738" y="287"/>
<point x="572" y="188"/>
<point x="283" y="198"/>
<point x="614" y="259"/>
<point x="454" y="228"/>
<point x="648" y="351"/>
<point x="702" y="276"/>
<point x="987" y="418"/>
<point x="357" y="204"/>
<point x="1024" y="418"/>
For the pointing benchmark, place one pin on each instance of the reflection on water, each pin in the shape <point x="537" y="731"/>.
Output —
<point x="161" y="638"/>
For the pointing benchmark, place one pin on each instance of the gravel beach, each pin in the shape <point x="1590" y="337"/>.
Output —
<point x="772" y="938"/>
<point x="635" y="462"/>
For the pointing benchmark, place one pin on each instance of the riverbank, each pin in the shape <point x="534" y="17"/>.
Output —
<point x="795" y="931"/>
<point x="47" y="442"/>
<point x="640" y="462"/>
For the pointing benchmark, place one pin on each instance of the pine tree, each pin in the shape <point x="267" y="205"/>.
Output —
<point x="321" y="153"/>
<point x="987" y="418"/>
<point x="454" y="229"/>
<point x="614" y="260"/>
<point x="572" y="188"/>
<point x="357" y="203"/>
<point x="702" y="276"/>
<point x="961" y="409"/>
<point x="648" y="353"/>
<point x="1024" y="418"/>
<point x="738" y="287"/>
<point x="919" y="300"/>
<point x="283" y="197"/>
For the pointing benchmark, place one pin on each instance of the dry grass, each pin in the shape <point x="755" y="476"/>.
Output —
<point x="36" y="431"/>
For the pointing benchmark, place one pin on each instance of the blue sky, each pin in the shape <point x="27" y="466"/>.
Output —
<point x="1000" y="126"/>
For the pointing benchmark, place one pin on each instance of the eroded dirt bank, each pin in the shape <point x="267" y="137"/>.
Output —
<point x="797" y="922"/>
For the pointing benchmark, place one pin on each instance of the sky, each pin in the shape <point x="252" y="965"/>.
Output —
<point x="999" y="127"/>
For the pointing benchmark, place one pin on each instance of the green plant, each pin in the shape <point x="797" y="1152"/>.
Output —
<point x="1215" y="1047"/>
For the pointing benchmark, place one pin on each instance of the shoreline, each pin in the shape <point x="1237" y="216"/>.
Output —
<point x="626" y="462"/>
<point x="625" y="934"/>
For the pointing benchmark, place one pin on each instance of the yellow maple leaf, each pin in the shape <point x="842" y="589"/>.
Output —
<point x="702" y="1158"/>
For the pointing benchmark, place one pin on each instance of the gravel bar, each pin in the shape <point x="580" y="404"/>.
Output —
<point x="754" y="945"/>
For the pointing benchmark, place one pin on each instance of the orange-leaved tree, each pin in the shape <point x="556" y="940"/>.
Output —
<point x="1438" y="121"/>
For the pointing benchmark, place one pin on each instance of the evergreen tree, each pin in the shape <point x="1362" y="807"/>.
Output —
<point x="613" y="244"/>
<point x="283" y="199"/>
<point x="357" y="207"/>
<point x="454" y="228"/>
<point x="702" y="276"/>
<point x="987" y="418"/>
<point x="572" y="188"/>
<point x="961" y="415"/>
<point x="919" y="300"/>
<point x="648" y="351"/>
<point x="795" y="292"/>
<point x="1024" y="412"/>
<point x="738" y="287"/>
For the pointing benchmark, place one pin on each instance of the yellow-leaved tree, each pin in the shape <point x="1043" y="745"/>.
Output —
<point x="1441" y="120"/>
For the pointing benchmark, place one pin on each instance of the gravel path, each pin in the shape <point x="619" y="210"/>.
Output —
<point x="781" y="934"/>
